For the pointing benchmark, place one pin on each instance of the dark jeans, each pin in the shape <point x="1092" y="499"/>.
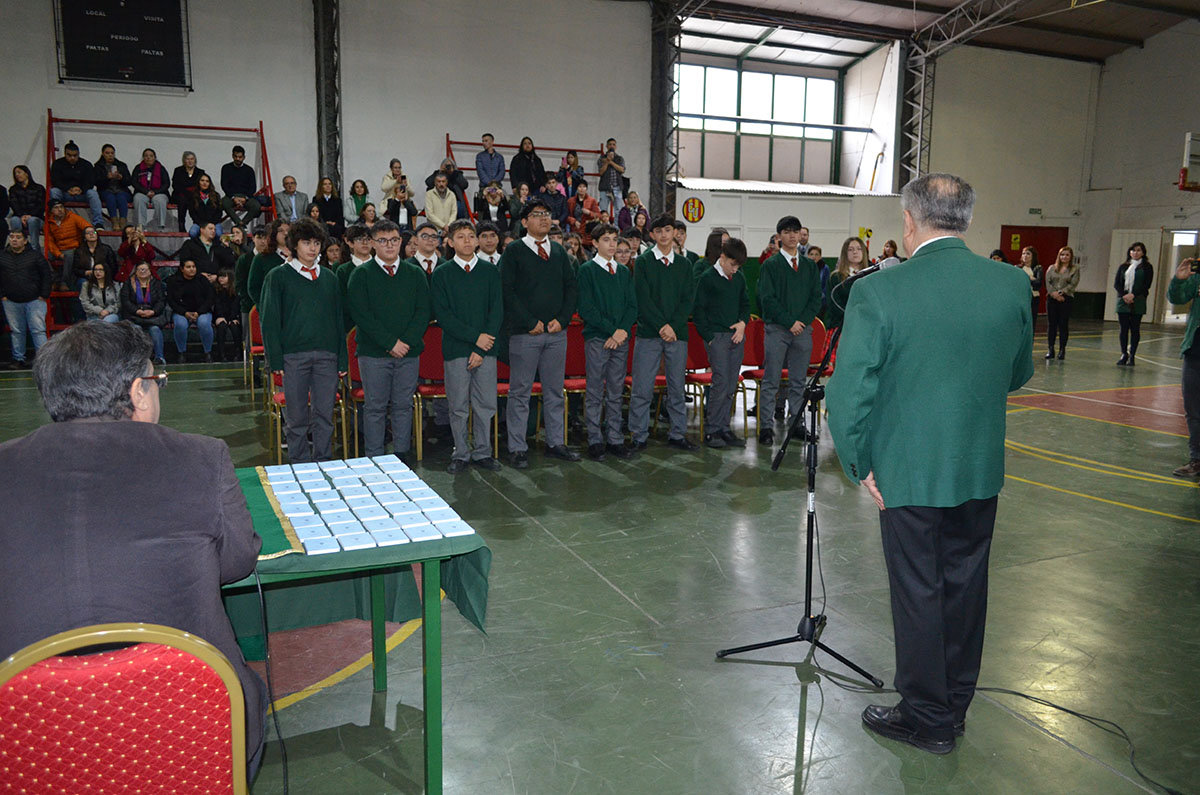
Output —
<point x="1058" y="316"/>
<point x="1131" y="332"/>
<point x="1191" y="397"/>
<point x="234" y="332"/>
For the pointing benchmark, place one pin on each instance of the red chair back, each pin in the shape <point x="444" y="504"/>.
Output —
<point x="255" y="328"/>
<point x="576" y="358"/>
<point x="697" y="354"/>
<point x="352" y="350"/>
<point x="819" y="338"/>
<point x="501" y="370"/>
<point x="431" y="365"/>
<point x="755" y="343"/>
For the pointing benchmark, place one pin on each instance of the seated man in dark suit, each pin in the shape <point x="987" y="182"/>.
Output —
<point x="149" y="551"/>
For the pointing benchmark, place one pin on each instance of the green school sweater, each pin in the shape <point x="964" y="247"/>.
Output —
<point x="299" y="315"/>
<point x="388" y="308"/>
<point x="607" y="301"/>
<point x="467" y="305"/>
<point x="719" y="303"/>
<point x="664" y="294"/>
<point x="700" y="266"/>
<point x="784" y="295"/>
<point x="416" y="260"/>
<point x="344" y="271"/>
<point x="536" y="289"/>
<point x="261" y="265"/>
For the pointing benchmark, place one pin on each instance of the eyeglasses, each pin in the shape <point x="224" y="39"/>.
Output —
<point x="539" y="214"/>
<point x="387" y="241"/>
<point x="160" y="379"/>
<point x="427" y="236"/>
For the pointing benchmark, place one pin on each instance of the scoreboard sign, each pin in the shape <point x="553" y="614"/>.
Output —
<point x="123" y="41"/>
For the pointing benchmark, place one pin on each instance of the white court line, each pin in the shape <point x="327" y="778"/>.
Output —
<point x="1105" y="402"/>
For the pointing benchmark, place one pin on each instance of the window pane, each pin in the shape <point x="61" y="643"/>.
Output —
<point x="789" y="104"/>
<point x="720" y="97"/>
<point x="819" y="107"/>
<point x="756" y="101"/>
<point x="690" y="123"/>
<point x="691" y="89"/>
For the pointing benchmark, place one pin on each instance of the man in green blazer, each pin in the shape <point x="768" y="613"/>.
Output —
<point x="1183" y="288"/>
<point x="917" y="411"/>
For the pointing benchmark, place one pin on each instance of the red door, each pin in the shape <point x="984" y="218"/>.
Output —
<point x="1046" y="241"/>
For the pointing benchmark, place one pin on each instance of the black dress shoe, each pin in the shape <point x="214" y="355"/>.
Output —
<point x="752" y="411"/>
<point x="489" y="463"/>
<point x="562" y="453"/>
<point x="1124" y="360"/>
<point x="732" y="439"/>
<point x="888" y="722"/>
<point x="1050" y="355"/>
<point x="638" y="447"/>
<point x="208" y="359"/>
<point x="457" y="467"/>
<point x="960" y="728"/>
<point x="619" y="450"/>
<point x="596" y="452"/>
<point x="766" y="436"/>
<point x="1062" y="355"/>
<point x="779" y="412"/>
<point x="683" y="443"/>
<point x="1131" y="360"/>
<point x="798" y="434"/>
<point x="519" y="460"/>
<point x="714" y="441"/>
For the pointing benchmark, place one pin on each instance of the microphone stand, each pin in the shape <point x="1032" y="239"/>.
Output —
<point x="810" y="626"/>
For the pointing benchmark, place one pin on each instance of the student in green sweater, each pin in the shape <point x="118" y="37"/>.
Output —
<point x="241" y="274"/>
<point x="362" y="249"/>
<point x="389" y="304"/>
<point x="712" y="252"/>
<point x="681" y="231"/>
<point x="540" y="292"/>
<point x="608" y="306"/>
<point x="276" y="254"/>
<point x="664" y="286"/>
<point x="427" y="258"/>
<point x="789" y="297"/>
<point x="302" y="332"/>
<point x="469" y="306"/>
<point x="721" y="311"/>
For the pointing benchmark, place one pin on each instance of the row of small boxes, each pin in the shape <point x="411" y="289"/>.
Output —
<point x="361" y="503"/>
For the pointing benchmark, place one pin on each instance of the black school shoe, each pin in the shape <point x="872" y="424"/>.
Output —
<point x="766" y="436"/>
<point x="519" y="460"/>
<point x="562" y="453"/>
<point x="596" y="452"/>
<point x="489" y="463"/>
<point x="732" y="439"/>
<point x="457" y="466"/>
<point x="620" y="451"/>
<point x="888" y="722"/>
<point x="683" y="443"/>
<point x="714" y="440"/>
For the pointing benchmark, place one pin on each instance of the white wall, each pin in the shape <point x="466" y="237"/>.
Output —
<point x="870" y="93"/>
<point x="567" y="74"/>
<point x="279" y="89"/>
<point x="1017" y="127"/>
<point x="1147" y="101"/>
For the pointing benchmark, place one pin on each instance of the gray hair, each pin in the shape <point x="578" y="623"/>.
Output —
<point x="88" y="369"/>
<point x="183" y="158"/>
<point x="941" y="202"/>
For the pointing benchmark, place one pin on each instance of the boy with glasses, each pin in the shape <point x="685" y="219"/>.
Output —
<point x="427" y="258"/>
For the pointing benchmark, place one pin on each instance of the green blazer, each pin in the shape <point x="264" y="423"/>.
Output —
<point x="929" y="352"/>
<point x="1179" y="292"/>
<point x="1141" y="288"/>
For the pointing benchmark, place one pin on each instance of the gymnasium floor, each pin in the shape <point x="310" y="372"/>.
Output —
<point x="613" y="584"/>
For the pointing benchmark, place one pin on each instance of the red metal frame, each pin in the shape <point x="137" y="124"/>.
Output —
<point x="450" y="152"/>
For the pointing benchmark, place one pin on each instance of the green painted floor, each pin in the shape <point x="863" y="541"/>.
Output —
<point x="613" y="584"/>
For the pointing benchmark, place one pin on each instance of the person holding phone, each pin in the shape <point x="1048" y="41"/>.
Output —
<point x="612" y="176"/>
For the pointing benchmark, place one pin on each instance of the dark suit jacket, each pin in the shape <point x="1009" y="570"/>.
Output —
<point x="155" y="548"/>
<point x="929" y="352"/>
<point x="210" y="261"/>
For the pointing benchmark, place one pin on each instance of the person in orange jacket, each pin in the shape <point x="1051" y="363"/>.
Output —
<point x="64" y="235"/>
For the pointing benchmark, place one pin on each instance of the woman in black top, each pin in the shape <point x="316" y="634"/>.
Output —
<point x="191" y="299"/>
<point x="227" y="317"/>
<point x="28" y="202"/>
<point x="527" y="167"/>
<point x="144" y="303"/>
<point x="400" y="209"/>
<point x="1132" y="284"/>
<point x="330" y="206"/>
<point x="205" y="207"/>
<point x="91" y="252"/>
<point x="183" y="184"/>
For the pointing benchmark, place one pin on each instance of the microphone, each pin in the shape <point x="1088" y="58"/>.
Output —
<point x="867" y="271"/>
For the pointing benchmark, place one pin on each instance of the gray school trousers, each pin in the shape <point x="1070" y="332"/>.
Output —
<point x="535" y="357"/>
<point x="647" y="353"/>
<point x="781" y="350"/>
<point x="605" y="386"/>
<point x="310" y="381"/>
<point x="387" y="383"/>
<point x="725" y="358"/>
<point x="468" y="390"/>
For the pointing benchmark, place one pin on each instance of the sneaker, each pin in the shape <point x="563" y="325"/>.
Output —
<point x="1189" y="470"/>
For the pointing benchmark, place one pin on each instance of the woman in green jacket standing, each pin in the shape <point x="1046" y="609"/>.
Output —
<point x="1132" y="284"/>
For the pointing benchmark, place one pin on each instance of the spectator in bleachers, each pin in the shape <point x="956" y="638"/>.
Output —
<point x="144" y="303"/>
<point x="582" y="210"/>
<point x="329" y="208"/>
<point x="491" y="206"/>
<point x="91" y="252"/>
<point x="489" y="164"/>
<point x="526" y="167"/>
<point x="25" y="284"/>
<point x="641" y="224"/>
<point x="151" y="187"/>
<point x="630" y="207"/>
<point x="356" y="199"/>
<point x="226" y="317"/>
<point x="72" y="179"/>
<point x="290" y="204"/>
<point x="368" y="215"/>
<point x="456" y="181"/>
<point x="612" y="175"/>
<point x="441" y="205"/>
<point x="206" y="205"/>
<point x="239" y="185"/>
<point x="113" y="181"/>
<point x="64" y="236"/>
<point x="400" y="209"/>
<point x="184" y="180"/>
<point x="554" y="200"/>
<point x="274" y="254"/>
<point x="100" y="297"/>
<point x="237" y="241"/>
<point x="241" y="273"/>
<point x="134" y="249"/>
<point x="569" y="174"/>
<point x="4" y="205"/>
<point x="28" y="202"/>
<point x="191" y="298"/>
<point x="208" y="252"/>
<point x="394" y="176"/>
<point x="520" y="196"/>
<point x="314" y="213"/>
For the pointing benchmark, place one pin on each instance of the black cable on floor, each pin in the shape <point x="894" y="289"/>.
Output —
<point x="262" y="603"/>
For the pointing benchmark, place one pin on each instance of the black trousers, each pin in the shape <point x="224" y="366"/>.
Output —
<point x="1058" y="315"/>
<point x="1131" y="331"/>
<point x="937" y="561"/>
<point x="1191" y="398"/>
<point x="234" y="332"/>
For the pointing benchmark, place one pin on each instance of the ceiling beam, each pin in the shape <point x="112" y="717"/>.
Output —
<point x="830" y="26"/>
<point x="1159" y="8"/>
<point x="752" y="59"/>
<point x="1035" y="51"/>
<point x="750" y="48"/>
<point x="928" y="8"/>
<point x="761" y="42"/>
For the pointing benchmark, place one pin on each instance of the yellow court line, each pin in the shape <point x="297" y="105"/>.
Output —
<point x="399" y="636"/>
<point x="1109" y="422"/>
<point x="1090" y="461"/>
<point x="1019" y="408"/>
<point x="1162" y="480"/>
<point x="1103" y="500"/>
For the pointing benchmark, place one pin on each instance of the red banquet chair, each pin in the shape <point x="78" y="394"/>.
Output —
<point x="163" y="715"/>
<point x="431" y="369"/>
<point x="575" y="382"/>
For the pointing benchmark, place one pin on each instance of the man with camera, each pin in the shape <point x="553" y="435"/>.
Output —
<point x="1184" y="288"/>
<point x="612" y="176"/>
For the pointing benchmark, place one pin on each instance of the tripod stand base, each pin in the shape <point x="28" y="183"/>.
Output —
<point x="810" y="627"/>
